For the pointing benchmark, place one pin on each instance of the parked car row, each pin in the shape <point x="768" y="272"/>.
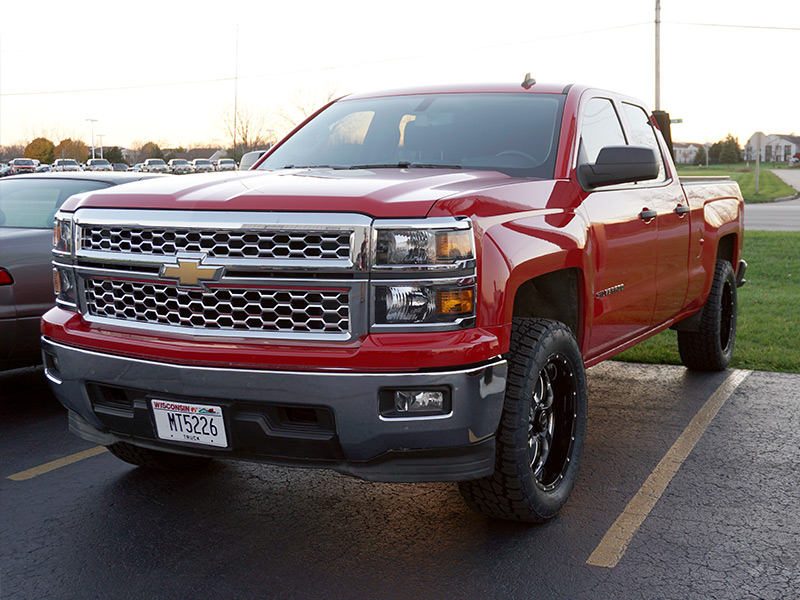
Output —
<point x="177" y="166"/>
<point x="182" y="166"/>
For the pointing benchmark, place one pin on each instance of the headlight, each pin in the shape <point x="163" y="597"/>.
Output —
<point x="445" y="297"/>
<point x="64" y="285"/>
<point x="62" y="235"/>
<point x="439" y="244"/>
<point x="445" y="303"/>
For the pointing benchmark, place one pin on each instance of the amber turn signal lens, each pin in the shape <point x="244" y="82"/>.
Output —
<point x="453" y="245"/>
<point x="455" y="302"/>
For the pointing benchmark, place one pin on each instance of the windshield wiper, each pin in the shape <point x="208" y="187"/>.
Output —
<point x="433" y="166"/>
<point x="405" y="165"/>
<point x="398" y="165"/>
<point x="313" y="167"/>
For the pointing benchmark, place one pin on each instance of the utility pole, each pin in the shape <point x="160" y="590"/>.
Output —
<point x="758" y="157"/>
<point x="658" y="54"/>
<point x="92" y="121"/>
<point x="235" y="90"/>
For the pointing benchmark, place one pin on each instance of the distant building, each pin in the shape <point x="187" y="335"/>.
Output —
<point x="774" y="147"/>
<point x="685" y="152"/>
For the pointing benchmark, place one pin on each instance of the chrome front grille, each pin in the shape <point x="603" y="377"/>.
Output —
<point x="215" y="243"/>
<point x="287" y="276"/>
<point x="221" y="309"/>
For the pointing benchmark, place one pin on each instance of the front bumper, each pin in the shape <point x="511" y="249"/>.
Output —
<point x="314" y="419"/>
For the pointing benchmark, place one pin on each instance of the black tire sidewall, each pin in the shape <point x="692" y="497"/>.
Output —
<point x="555" y="340"/>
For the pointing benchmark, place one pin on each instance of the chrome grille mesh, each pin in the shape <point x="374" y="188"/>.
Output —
<point x="220" y="309"/>
<point x="264" y="244"/>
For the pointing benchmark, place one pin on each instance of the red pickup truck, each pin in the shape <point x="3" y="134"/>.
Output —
<point x="408" y="287"/>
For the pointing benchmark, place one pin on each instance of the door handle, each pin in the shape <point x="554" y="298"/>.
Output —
<point x="647" y="215"/>
<point x="681" y="210"/>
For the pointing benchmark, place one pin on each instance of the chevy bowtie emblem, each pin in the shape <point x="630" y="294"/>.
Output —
<point x="191" y="272"/>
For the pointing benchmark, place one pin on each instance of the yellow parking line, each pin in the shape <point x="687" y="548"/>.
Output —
<point x="57" y="464"/>
<point x="614" y="543"/>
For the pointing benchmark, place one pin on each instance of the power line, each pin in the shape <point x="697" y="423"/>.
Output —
<point x="733" y="26"/>
<point x="460" y="50"/>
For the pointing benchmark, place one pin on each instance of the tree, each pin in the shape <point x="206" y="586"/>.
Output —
<point x="150" y="150"/>
<point x="700" y="156"/>
<point x="305" y="102"/>
<point x="8" y="153"/>
<point x="714" y="152"/>
<point x="730" y="151"/>
<point x="249" y="132"/>
<point x="40" y="149"/>
<point x="113" y="155"/>
<point x="69" y="148"/>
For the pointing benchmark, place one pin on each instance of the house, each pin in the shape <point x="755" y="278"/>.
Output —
<point x="685" y="152"/>
<point x="773" y="148"/>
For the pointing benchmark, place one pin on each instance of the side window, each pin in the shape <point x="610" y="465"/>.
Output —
<point x="643" y="134"/>
<point x="600" y="128"/>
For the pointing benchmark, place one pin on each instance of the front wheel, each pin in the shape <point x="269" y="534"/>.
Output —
<point x="710" y="348"/>
<point x="542" y="430"/>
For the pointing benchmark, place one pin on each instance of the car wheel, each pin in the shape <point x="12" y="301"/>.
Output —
<point x="156" y="459"/>
<point x="542" y="429"/>
<point x="710" y="348"/>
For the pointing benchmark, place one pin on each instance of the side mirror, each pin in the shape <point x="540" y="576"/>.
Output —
<point x="619" y="164"/>
<point x="249" y="159"/>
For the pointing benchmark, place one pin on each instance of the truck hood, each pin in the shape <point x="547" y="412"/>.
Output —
<point x="379" y="193"/>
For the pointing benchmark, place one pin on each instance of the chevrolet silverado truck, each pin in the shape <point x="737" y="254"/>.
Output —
<point x="408" y="287"/>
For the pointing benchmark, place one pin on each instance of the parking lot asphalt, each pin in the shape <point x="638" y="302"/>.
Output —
<point x="717" y="518"/>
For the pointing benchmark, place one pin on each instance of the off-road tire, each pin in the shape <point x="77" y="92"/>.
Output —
<point x="528" y="483"/>
<point x="710" y="348"/>
<point x="156" y="459"/>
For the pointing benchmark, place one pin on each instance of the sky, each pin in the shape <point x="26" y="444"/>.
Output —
<point x="170" y="72"/>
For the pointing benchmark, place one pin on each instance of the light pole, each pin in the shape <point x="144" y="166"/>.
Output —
<point x="92" y="121"/>
<point x="100" y="137"/>
<point x="658" y="54"/>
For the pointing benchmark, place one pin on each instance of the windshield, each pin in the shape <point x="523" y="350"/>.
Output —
<point x="66" y="162"/>
<point x="22" y="162"/>
<point x="516" y="134"/>
<point x="32" y="203"/>
<point x="156" y="161"/>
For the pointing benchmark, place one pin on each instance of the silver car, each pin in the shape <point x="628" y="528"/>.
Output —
<point x="98" y="164"/>
<point x="27" y="206"/>
<point x="155" y="165"/>
<point x="180" y="166"/>
<point x="66" y="165"/>
<point x="202" y="165"/>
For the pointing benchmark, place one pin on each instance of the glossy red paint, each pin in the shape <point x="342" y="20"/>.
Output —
<point x="387" y="352"/>
<point x="635" y="277"/>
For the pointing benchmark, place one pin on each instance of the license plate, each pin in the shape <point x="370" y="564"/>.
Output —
<point x="192" y="423"/>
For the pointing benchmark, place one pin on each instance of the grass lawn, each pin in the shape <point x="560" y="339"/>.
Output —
<point x="770" y="186"/>
<point x="768" y="337"/>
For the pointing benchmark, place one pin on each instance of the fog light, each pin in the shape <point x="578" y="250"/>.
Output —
<point x="394" y="403"/>
<point x="419" y="401"/>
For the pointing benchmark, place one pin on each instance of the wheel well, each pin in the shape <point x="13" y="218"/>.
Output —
<point x="554" y="296"/>
<point x="726" y="248"/>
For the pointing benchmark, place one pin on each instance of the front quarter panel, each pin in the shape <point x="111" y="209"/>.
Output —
<point x="522" y="231"/>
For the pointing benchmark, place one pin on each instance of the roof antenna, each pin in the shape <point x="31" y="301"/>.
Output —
<point x="529" y="81"/>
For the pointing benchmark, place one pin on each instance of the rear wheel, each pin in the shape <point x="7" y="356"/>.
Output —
<point x="710" y="348"/>
<point x="156" y="459"/>
<point x="542" y="429"/>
